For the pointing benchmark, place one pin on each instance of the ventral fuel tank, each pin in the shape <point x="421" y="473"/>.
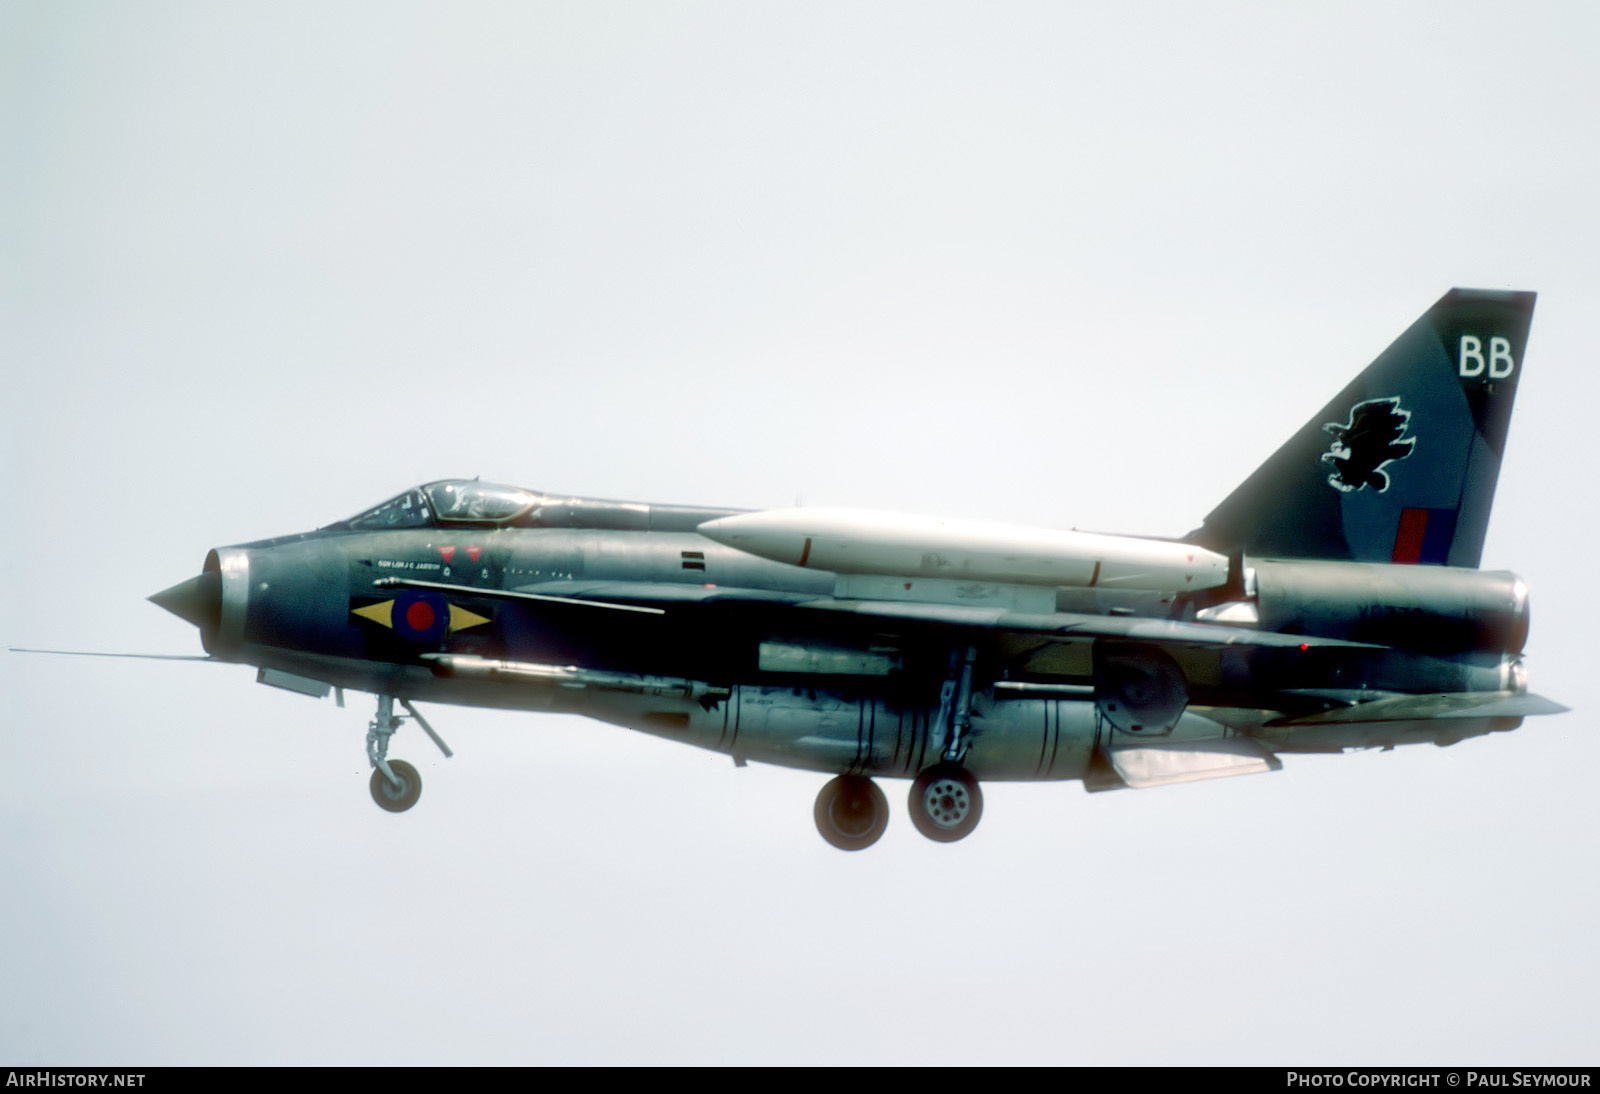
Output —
<point x="866" y="541"/>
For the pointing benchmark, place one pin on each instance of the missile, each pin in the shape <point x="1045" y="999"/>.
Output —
<point x="866" y="541"/>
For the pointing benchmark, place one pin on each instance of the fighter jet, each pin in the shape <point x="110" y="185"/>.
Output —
<point x="1331" y="602"/>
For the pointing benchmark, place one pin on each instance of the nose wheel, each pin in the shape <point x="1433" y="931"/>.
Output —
<point x="400" y="795"/>
<point x="851" y="812"/>
<point x="946" y="803"/>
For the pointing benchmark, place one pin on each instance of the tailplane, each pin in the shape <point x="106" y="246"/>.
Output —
<point x="1401" y="466"/>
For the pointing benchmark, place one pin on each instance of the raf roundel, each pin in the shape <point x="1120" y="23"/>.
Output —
<point x="421" y="616"/>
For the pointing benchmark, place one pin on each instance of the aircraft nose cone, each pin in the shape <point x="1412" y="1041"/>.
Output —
<point x="197" y="600"/>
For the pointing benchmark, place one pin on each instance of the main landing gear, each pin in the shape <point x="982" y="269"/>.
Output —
<point x="851" y="812"/>
<point x="945" y="803"/>
<point x="395" y="784"/>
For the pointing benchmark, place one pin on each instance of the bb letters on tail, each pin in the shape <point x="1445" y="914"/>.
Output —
<point x="1401" y="465"/>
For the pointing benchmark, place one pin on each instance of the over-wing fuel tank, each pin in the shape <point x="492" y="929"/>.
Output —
<point x="867" y="541"/>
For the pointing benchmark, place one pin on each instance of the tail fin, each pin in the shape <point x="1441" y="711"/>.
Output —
<point x="1401" y="466"/>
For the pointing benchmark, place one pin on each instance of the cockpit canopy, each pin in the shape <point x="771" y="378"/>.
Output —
<point x="449" y="501"/>
<point x="468" y="503"/>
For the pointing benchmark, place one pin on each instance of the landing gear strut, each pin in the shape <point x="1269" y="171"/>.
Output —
<point x="955" y="707"/>
<point x="946" y="803"/>
<point x="851" y="812"/>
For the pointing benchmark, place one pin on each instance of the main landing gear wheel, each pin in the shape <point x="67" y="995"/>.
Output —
<point x="851" y="812"/>
<point x="397" y="799"/>
<point x="946" y="802"/>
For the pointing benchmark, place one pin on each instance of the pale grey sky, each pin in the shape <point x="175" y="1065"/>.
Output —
<point x="262" y="265"/>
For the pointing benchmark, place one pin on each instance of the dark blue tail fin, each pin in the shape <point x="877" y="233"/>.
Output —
<point x="1401" y="466"/>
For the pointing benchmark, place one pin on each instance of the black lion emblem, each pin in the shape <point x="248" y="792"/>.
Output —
<point x="1373" y="438"/>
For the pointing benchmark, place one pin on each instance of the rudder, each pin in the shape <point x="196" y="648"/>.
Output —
<point x="1401" y="466"/>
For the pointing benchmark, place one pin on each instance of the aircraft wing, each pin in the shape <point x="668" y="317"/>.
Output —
<point x="1409" y="708"/>
<point x="1058" y="626"/>
<point x="638" y="596"/>
<point x="1066" y="626"/>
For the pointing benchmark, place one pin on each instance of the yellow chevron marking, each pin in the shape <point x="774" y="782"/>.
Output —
<point x="379" y="613"/>
<point x="461" y="619"/>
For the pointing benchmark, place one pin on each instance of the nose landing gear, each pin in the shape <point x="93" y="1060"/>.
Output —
<point x="395" y="784"/>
